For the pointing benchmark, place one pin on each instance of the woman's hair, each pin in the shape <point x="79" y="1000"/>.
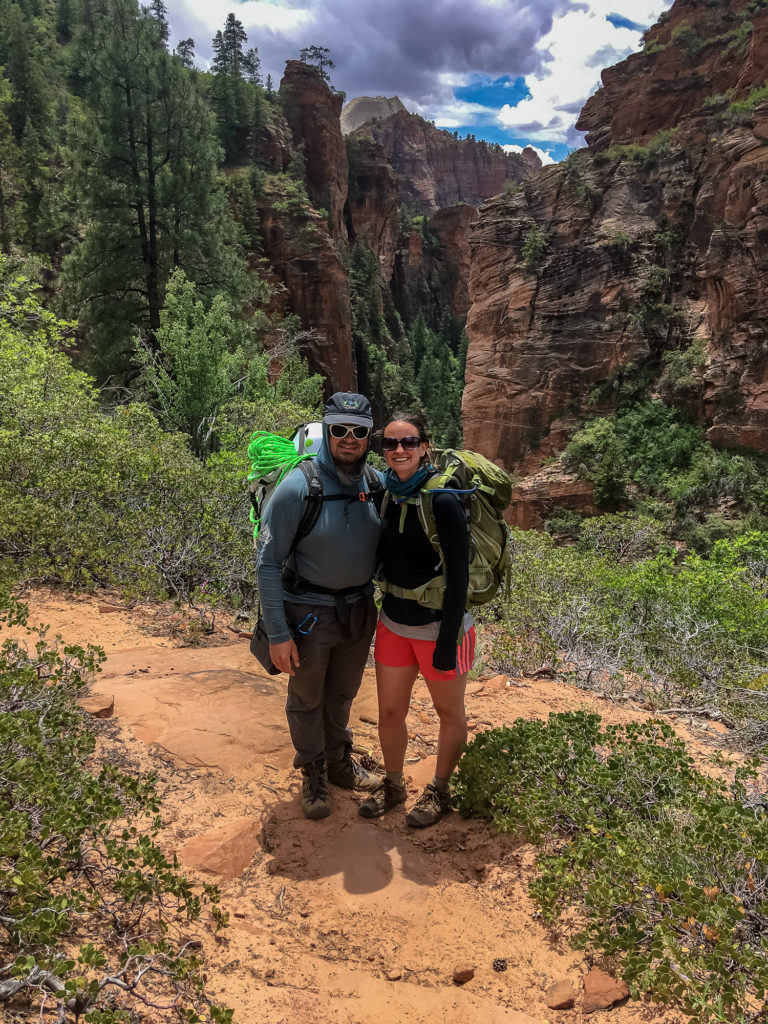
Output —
<point x="418" y="419"/>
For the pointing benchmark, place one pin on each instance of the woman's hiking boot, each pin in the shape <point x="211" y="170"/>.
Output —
<point x="382" y="799"/>
<point x="348" y="774"/>
<point x="314" y="790"/>
<point x="429" y="808"/>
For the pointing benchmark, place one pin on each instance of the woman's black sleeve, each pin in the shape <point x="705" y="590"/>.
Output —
<point x="453" y="533"/>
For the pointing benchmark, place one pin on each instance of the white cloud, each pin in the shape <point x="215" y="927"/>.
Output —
<point x="254" y="14"/>
<point x="576" y="42"/>
<point x="543" y="154"/>
<point x="422" y="51"/>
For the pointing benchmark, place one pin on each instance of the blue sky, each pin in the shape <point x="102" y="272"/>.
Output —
<point x="516" y="72"/>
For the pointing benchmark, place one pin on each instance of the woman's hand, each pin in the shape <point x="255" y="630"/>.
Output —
<point x="444" y="657"/>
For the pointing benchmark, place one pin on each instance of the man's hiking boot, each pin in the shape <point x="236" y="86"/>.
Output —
<point x="314" y="790"/>
<point x="382" y="799"/>
<point x="348" y="774"/>
<point x="429" y="808"/>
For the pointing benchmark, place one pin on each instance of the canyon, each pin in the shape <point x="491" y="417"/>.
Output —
<point x="646" y="249"/>
<point x="386" y="171"/>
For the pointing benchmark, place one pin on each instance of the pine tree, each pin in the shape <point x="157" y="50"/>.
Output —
<point x="318" y="57"/>
<point x="10" y="177"/>
<point x="146" y="174"/>
<point x="185" y="51"/>
<point x="159" y="12"/>
<point x="252" y="66"/>
<point x="228" y="96"/>
<point x="234" y="38"/>
<point x="24" y="65"/>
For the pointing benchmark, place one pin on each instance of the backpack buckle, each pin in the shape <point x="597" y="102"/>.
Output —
<point x="362" y="496"/>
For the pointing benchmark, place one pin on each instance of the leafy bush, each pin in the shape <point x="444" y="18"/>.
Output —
<point x="742" y="110"/>
<point x="92" y="912"/>
<point x="667" y="867"/>
<point x="685" y="36"/>
<point x="633" y="152"/>
<point x="90" y="498"/>
<point x="564" y="522"/>
<point x="534" y="250"/>
<point x="682" y="373"/>
<point x="652" y="447"/>
<point x="687" y="632"/>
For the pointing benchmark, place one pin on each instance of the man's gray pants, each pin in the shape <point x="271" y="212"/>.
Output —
<point x="332" y="658"/>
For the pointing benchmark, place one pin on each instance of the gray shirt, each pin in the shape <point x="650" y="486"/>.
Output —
<point x="339" y="552"/>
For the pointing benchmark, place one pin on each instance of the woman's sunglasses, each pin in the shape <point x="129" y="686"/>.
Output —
<point x="341" y="430"/>
<point x="389" y="444"/>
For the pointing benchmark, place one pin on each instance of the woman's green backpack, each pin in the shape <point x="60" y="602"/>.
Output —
<point x="485" y="491"/>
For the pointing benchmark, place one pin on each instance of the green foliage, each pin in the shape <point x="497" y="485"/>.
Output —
<point x="642" y="156"/>
<point x="197" y="365"/>
<point x="617" y="603"/>
<point x="91" y="498"/>
<point x="622" y="536"/>
<point x="564" y="522"/>
<point x="89" y="904"/>
<point x="666" y="866"/>
<point x="687" y="38"/>
<point x="653" y="315"/>
<point x="742" y="110"/>
<point x="682" y="373"/>
<point x="534" y="250"/>
<point x="650" y="446"/>
<point x="146" y="181"/>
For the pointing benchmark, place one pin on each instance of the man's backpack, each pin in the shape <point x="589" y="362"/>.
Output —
<point x="272" y="457"/>
<point x="485" y="492"/>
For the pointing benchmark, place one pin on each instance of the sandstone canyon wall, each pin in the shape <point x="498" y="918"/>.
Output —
<point x="653" y="239"/>
<point x="357" y="188"/>
<point x="438" y="170"/>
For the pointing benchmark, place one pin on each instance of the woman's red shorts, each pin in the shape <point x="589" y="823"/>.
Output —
<point x="400" y="652"/>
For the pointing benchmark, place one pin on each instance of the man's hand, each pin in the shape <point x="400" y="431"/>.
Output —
<point x="285" y="656"/>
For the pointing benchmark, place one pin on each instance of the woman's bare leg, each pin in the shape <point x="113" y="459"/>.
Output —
<point x="394" y="687"/>
<point x="448" y="698"/>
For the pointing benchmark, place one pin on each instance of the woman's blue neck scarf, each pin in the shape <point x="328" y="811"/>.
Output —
<point x="407" y="489"/>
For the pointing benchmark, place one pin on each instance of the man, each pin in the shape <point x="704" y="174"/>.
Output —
<point x="317" y="600"/>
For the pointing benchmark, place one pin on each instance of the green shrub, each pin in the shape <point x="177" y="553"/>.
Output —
<point x="742" y="110"/>
<point x="534" y="250"/>
<point x="692" y="629"/>
<point x="665" y="866"/>
<point x="92" y="498"/>
<point x="682" y="373"/>
<point x="92" y="913"/>
<point x="564" y="522"/>
<point x="687" y="38"/>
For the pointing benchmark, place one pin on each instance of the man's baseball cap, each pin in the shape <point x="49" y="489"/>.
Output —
<point x="345" y="407"/>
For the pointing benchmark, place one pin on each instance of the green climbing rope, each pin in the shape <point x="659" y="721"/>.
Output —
<point x="271" y="457"/>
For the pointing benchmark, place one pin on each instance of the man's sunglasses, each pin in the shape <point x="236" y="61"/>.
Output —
<point x="389" y="444"/>
<point x="341" y="430"/>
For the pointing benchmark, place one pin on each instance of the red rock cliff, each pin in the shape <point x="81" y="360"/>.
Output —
<point x="654" y="238"/>
<point x="438" y="170"/>
<point x="312" y="111"/>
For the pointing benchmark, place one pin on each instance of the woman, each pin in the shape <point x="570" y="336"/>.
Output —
<point x="412" y="638"/>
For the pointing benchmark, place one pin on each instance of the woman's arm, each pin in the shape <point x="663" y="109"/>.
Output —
<point x="453" y="534"/>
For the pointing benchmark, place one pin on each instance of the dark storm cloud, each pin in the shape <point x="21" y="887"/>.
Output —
<point x="401" y="46"/>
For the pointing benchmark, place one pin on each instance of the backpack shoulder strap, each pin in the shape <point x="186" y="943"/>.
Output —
<point x="314" y="501"/>
<point x="376" y="489"/>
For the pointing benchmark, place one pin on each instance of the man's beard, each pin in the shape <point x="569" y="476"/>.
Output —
<point x="350" y="470"/>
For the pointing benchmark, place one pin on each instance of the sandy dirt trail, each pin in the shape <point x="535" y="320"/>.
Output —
<point x="340" y="921"/>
